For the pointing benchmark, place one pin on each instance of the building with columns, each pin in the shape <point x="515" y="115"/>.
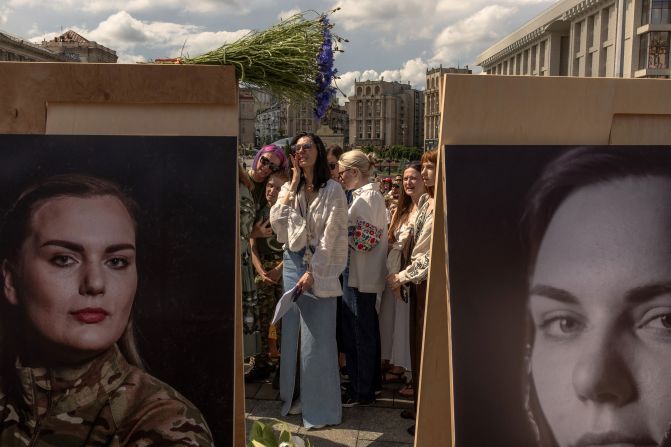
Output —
<point x="286" y="119"/>
<point x="383" y="113"/>
<point x="75" y="48"/>
<point x="588" y="38"/>
<point x="432" y="103"/>
<point x="14" y="48"/>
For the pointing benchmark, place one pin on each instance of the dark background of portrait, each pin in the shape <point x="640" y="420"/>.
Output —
<point x="186" y="191"/>
<point x="486" y="187"/>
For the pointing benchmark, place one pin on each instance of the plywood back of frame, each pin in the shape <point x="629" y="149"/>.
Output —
<point x="434" y="406"/>
<point x="523" y="110"/>
<point x="529" y="110"/>
<point x="118" y="99"/>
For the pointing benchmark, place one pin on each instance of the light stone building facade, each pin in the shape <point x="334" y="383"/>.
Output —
<point x="432" y="103"/>
<point x="588" y="38"/>
<point x="14" y="48"/>
<point x="75" y="48"/>
<point x="286" y="119"/>
<point x="383" y="113"/>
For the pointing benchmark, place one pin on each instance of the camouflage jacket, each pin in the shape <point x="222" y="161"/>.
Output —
<point x="106" y="402"/>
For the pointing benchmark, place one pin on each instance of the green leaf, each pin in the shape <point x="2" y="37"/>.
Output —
<point x="285" y="436"/>
<point x="269" y="439"/>
<point x="256" y="432"/>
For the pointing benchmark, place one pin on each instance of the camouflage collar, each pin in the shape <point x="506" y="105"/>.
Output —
<point x="67" y="388"/>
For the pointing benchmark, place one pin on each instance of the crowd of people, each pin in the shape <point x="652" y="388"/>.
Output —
<point x="355" y="252"/>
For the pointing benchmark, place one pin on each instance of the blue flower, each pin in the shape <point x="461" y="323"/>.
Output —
<point x="325" y="91"/>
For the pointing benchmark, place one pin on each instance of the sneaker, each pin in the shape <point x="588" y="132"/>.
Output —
<point x="257" y="374"/>
<point x="296" y="407"/>
<point x="348" y="402"/>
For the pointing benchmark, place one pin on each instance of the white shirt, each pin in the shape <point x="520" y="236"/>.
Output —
<point x="324" y="223"/>
<point x="367" y="227"/>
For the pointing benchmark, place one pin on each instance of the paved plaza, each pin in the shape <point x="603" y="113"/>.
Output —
<point x="378" y="425"/>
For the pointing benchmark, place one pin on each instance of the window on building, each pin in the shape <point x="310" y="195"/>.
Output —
<point x="525" y="62"/>
<point x="577" y="36"/>
<point x="660" y="12"/>
<point x="541" y="55"/>
<point x="654" y="50"/>
<point x="534" y="52"/>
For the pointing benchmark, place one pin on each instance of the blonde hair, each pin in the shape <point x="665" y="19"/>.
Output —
<point x="358" y="159"/>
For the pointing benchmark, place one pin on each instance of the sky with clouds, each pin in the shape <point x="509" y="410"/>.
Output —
<point x="394" y="39"/>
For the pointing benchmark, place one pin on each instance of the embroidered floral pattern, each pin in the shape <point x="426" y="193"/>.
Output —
<point x="365" y="236"/>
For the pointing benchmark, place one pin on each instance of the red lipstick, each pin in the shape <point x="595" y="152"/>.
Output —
<point x="90" y="315"/>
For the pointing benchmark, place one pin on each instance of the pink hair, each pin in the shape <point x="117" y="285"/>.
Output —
<point x="276" y="150"/>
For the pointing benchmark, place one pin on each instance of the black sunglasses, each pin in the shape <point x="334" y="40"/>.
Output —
<point x="395" y="185"/>
<point x="304" y="146"/>
<point x="340" y="174"/>
<point x="272" y="166"/>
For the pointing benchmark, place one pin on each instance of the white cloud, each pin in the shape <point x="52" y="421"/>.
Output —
<point x="124" y="33"/>
<point x="456" y="43"/>
<point x="283" y="15"/>
<point x="231" y="7"/>
<point x="128" y="58"/>
<point x="407" y="19"/>
<point x="4" y="15"/>
<point x="413" y="71"/>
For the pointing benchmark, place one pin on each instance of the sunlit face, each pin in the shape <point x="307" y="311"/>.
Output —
<point x="305" y="152"/>
<point x="429" y="173"/>
<point x="333" y="166"/>
<point x="600" y="301"/>
<point x="413" y="185"/>
<point x="75" y="277"/>
<point x="267" y="164"/>
<point x="348" y="176"/>
<point x="273" y="187"/>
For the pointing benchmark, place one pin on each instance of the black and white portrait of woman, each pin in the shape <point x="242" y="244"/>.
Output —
<point x="566" y="339"/>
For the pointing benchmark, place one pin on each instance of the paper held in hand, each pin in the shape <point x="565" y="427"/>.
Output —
<point x="284" y="304"/>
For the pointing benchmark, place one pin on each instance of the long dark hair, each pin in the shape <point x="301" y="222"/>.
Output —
<point x="404" y="204"/>
<point x="322" y="172"/>
<point x="15" y="228"/>
<point x="571" y="171"/>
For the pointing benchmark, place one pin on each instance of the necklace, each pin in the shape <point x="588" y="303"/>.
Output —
<point x="310" y="188"/>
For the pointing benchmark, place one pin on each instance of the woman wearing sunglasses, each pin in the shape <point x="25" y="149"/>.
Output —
<point x="310" y="219"/>
<point x="268" y="160"/>
<point x="363" y="279"/>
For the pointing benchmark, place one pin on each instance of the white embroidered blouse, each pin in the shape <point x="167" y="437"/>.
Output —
<point x="418" y="269"/>
<point x="324" y="221"/>
<point x="367" y="228"/>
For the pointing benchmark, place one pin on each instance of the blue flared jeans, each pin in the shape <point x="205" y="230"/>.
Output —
<point x="361" y="340"/>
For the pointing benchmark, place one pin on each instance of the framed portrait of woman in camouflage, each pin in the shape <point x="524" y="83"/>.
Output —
<point x="118" y="285"/>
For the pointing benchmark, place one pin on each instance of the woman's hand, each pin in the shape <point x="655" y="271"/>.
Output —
<point x="305" y="282"/>
<point x="295" y="173"/>
<point x="275" y="274"/>
<point x="261" y="229"/>
<point x="266" y="278"/>
<point x="393" y="281"/>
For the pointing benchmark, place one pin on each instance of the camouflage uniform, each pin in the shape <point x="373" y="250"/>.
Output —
<point x="250" y="313"/>
<point x="106" y="402"/>
<point x="270" y="253"/>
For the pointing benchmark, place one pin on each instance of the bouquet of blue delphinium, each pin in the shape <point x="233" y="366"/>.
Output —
<point x="292" y="60"/>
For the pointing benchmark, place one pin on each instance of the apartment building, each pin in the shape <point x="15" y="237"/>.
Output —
<point x="588" y="38"/>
